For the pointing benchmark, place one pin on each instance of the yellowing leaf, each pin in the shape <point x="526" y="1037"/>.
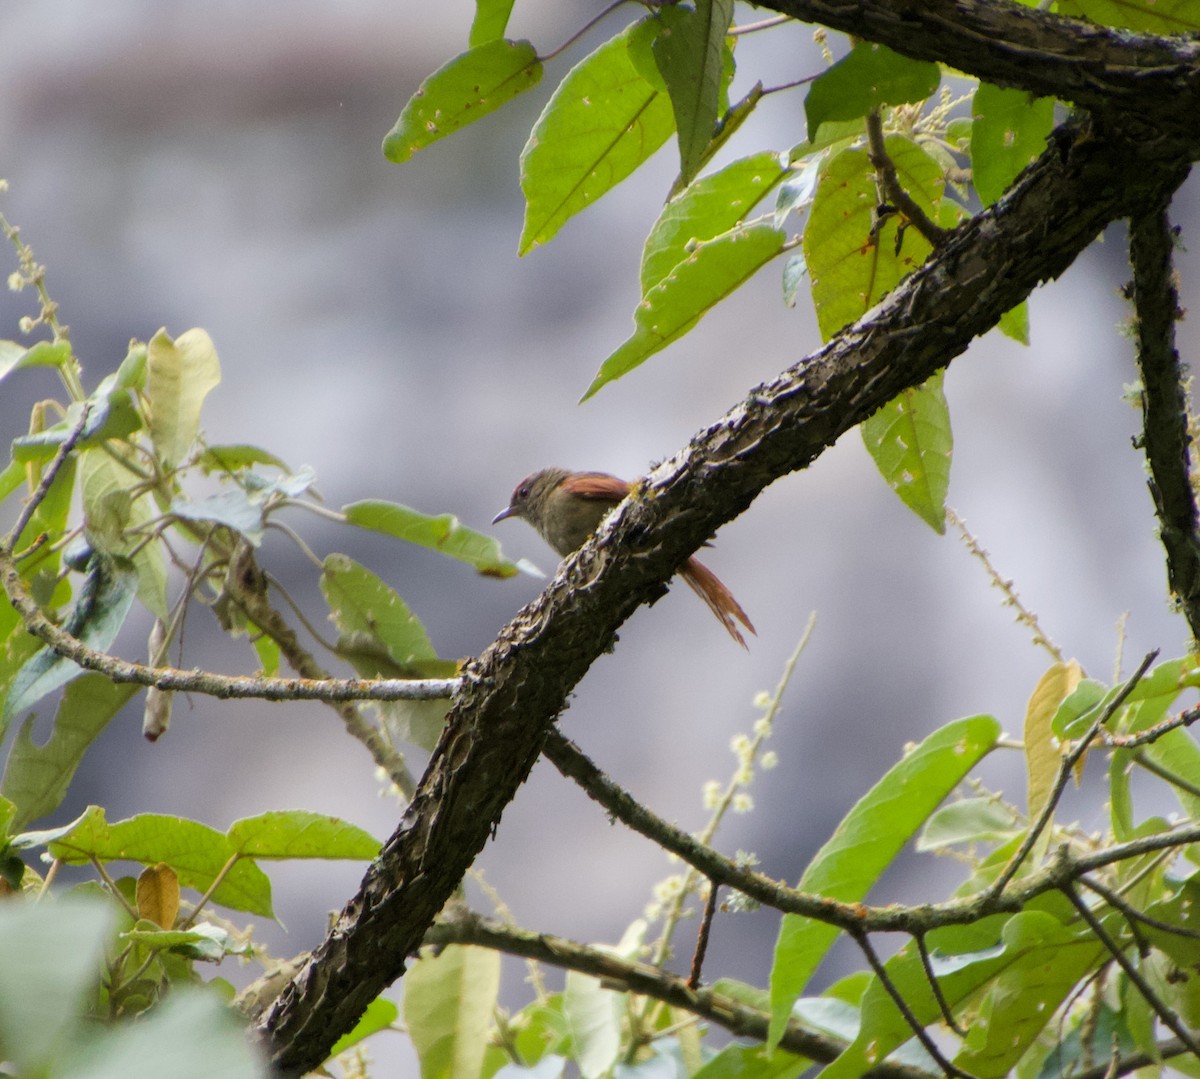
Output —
<point x="158" y="895"/>
<point x="1042" y="754"/>
<point x="179" y="375"/>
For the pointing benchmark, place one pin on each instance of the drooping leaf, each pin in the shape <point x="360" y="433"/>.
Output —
<point x="448" y="1004"/>
<point x="205" y="942"/>
<point x="236" y="509"/>
<point x="367" y="611"/>
<point x="1042" y="752"/>
<point x="490" y="22"/>
<point x="462" y="91"/>
<point x="158" y="895"/>
<point x="689" y="54"/>
<point x="14" y="356"/>
<point x="850" y="270"/>
<point x="593" y="1016"/>
<point x="712" y="270"/>
<point x="97" y="616"/>
<point x="234" y="458"/>
<point x="298" y="833"/>
<point x="1009" y="133"/>
<point x="728" y="125"/>
<point x="969" y="820"/>
<point x="865" y="844"/>
<point x="711" y="206"/>
<point x="604" y="120"/>
<point x="180" y="374"/>
<point x="868" y="76"/>
<point x="443" y="533"/>
<point x="910" y="441"/>
<point x="110" y="415"/>
<point x="1014" y="323"/>
<point x="36" y="777"/>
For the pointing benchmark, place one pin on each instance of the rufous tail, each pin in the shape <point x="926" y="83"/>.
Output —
<point x="707" y="585"/>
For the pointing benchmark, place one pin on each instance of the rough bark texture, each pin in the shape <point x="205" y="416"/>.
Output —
<point x="515" y="690"/>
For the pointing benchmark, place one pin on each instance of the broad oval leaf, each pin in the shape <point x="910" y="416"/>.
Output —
<point x="299" y="833"/>
<point x="460" y="92"/>
<point x="1008" y="134"/>
<point x="708" y="274"/>
<point x="158" y="895"/>
<point x="868" y="76"/>
<point x="910" y="441"/>
<point x="709" y="207"/>
<point x="449" y="1000"/>
<point x="444" y="533"/>
<point x="604" y="120"/>
<point x="180" y="374"/>
<point x="865" y="844"/>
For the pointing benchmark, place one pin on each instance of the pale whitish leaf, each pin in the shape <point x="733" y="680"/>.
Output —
<point x="179" y="376"/>
<point x="448" y="1004"/>
<point x="594" y="1017"/>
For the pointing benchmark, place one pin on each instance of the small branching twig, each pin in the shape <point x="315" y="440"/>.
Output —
<point x="936" y="986"/>
<point x="893" y="192"/>
<point x="915" y="1025"/>
<point x="1025" y="616"/>
<point x="1065" y="768"/>
<point x="1165" y="1014"/>
<point x="1152" y="734"/>
<point x="43" y="488"/>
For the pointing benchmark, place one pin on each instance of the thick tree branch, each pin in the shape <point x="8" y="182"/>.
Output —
<point x="1164" y="405"/>
<point x="1152" y="82"/>
<point x="511" y="694"/>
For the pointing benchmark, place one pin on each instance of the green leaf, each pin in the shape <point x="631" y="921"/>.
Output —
<point x="490" y="22"/>
<point x="379" y="634"/>
<point x="195" y="851"/>
<point x="298" y="833"/>
<point x="865" y="844"/>
<point x="205" y="942"/>
<point x="114" y="520"/>
<point x="192" y="1035"/>
<point x="448" y="1005"/>
<point x="727" y="126"/>
<point x="14" y="356"/>
<point x="868" y="76"/>
<point x="1009" y="133"/>
<point x="689" y="54"/>
<point x="110" y="415"/>
<point x="753" y="1062"/>
<point x="36" y="777"/>
<point x="593" y="1016"/>
<point x="236" y="509"/>
<point x="910" y="441"/>
<point x="850" y="270"/>
<point x="381" y="1014"/>
<point x="604" y="120"/>
<point x="969" y="820"/>
<point x="1014" y="323"/>
<point x="96" y="618"/>
<point x="462" y="91"/>
<point x="713" y="270"/>
<point x="1149" y="16"/>
<point x="234" y="458"/>
<point x="709" y="207"/>
<point x="180" y="374"/>
<point x="444" y="534"/>
<point x="52" y="954"/>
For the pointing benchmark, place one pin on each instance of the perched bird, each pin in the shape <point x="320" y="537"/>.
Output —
<point x="566" y="508"/>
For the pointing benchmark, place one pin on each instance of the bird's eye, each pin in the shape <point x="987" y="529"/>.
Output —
<point x="523" y="491"/>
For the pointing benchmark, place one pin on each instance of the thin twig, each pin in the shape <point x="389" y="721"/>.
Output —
<point x="1153" y="734"/>
<point x="1065" y="768"/>
<point x="936" y="986"/>
<point x="1165" y="1014"/>
<point x="1132" y="914"/>
<point x="710" y="909"/>
<point x="43" y="488"/>
<point x="918" y="1028"/>
<point x="1154" y="768"/>
<point x="893" y="191"/>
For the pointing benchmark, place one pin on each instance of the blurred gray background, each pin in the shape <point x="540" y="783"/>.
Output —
<point x="218" y="165"/>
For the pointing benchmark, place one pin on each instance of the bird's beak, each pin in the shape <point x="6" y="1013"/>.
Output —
<point x="504" y="515"/>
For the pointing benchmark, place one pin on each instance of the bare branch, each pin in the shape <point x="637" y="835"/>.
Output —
<point x="892" y="189"/>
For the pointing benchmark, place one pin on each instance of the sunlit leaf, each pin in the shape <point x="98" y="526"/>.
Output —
<point x="707" y="275"/>
<point x="1150" y="16"/>
<point x="1009" y="133"/>
<point x="448" y="1004"/>
<point x="1042" y="752"/>
<point x="462" y="91"/>
<point x="180" y="374"/>
<point x="865" y="844"/>
<point x="604" y="120"/>
<point x="910" y="441"/>
<point x="443" y="533"/>
<point x="870" y="75"/>
<point x="298" y="833"/>
<point x="490" y="22"/>
<point x="14" y="356"/>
